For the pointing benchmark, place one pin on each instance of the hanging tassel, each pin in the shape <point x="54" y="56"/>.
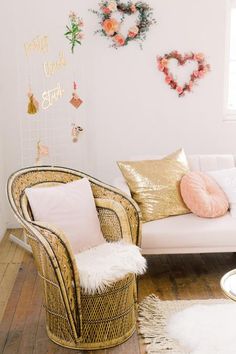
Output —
<point x="33" y="104"/>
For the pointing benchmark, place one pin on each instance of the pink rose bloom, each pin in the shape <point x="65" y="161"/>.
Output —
<point x="112" y="6"/>
<point x="164" y="62"/>
<point x="168" y="79"/>
<point x="199" y="56"/>
<point x="110" y="26"/>
<point x="161" y="67"/>
<point x="133" y="8"/>
<point x="133" y="31"/>
<point x="132" y="34"/>
<point x="106" y="10"/>
<point x="200" y="73"/>
<point x="119" y="39"/>
<point x="196" y="73"/>
<point x="166" y="70"/>
<point x="179" y="89"/>
<point x="190" y="84"/>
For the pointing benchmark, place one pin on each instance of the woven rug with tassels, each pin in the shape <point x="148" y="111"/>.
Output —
<point x="154" y="315"/>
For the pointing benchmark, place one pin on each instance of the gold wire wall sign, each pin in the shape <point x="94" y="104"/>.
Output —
<point x="51" y="67"/>
<point x="50" y="97"/>
<point x="38" y="44"/>
<point x="37" y="52"/>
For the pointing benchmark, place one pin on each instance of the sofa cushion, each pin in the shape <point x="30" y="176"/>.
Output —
<point x="197" y="162"/>
<point x="154" y="185"/>
<point x="189" y="231"/>
<point x="203" y="196"/>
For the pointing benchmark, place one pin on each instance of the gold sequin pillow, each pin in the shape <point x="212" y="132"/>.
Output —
<point x="155" y="185"/>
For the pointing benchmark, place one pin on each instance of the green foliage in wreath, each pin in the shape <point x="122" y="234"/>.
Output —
<point x="110" y="27"/>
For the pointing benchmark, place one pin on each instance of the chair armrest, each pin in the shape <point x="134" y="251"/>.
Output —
<point x="57" y="268"/>
<point x="115" y="221"/>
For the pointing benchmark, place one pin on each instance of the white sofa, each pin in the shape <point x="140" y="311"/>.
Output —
<point x="188" y="233"/>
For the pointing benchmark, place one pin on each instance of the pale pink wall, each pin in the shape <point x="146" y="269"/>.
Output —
<point x="9" y="118"/>
<point x="128" y="108"/>
<point x="134" y="111"/>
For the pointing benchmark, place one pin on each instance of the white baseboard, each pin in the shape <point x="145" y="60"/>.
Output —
<point x="20" y="243"/>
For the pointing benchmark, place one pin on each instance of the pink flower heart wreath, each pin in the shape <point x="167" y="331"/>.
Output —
<point x="111" y="27"/>
<point x="199" y="73"/>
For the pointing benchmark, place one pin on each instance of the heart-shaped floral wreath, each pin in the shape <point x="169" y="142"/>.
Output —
<point x="199" y="73"/>
<point x="111" y="27"/>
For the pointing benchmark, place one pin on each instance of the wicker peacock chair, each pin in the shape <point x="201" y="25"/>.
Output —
<point x="75" y="319"/>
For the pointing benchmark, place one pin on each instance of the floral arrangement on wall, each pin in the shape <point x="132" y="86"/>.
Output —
<point x="199" y="73"/>
<point x="110" y="26"/>
<point x="74" y="31"/>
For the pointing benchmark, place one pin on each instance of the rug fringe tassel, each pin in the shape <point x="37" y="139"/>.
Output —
<point x="154" y="316"/>
<point x="152" y="327"/>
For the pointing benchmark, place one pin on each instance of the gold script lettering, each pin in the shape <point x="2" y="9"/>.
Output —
<point x="39" y="44"/>
<point x="52" y="67"/>
<point x="50" y="97"/>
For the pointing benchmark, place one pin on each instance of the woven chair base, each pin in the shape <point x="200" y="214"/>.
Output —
<point x="108" y="318"/>
<point x="93" y="346"/>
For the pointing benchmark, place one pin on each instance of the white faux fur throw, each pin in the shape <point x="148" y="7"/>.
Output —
<point x="102" y="265"/>
<point x="205" y="329"/>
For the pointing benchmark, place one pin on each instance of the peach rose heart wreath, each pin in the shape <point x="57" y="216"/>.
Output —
<point x="199" y="73"/>
<point x="110" y="27"/>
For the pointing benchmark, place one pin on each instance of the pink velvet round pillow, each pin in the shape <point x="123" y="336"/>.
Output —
<point x="203" y="196"/>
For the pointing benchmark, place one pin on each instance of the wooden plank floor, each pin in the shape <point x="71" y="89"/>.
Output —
<point x="11" y="257"/>
<point x="22" y="327"/>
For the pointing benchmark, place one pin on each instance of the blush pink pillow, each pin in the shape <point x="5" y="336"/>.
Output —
<point x="203" y="196"/>
<point x="71" y="208"/>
